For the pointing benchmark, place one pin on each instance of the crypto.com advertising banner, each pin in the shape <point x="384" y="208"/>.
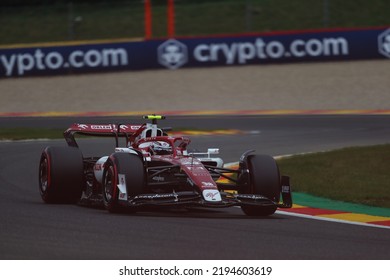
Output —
<point x="196" y="52"/>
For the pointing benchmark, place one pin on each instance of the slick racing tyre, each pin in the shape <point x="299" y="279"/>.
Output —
<point x="265" y="181"/>
<point x="126" y="170"/>
<point x="61" y="175"/>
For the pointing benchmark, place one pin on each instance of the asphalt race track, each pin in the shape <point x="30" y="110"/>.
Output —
<point x="31" y="229"/>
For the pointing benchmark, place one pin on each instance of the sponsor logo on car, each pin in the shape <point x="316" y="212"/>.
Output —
<point x="122" y="187"/>
<point x="101" y="127"/>
<point x="158" y="178"/>
<point x="156" y="196"/>
<point x="251" y="196"/>
<point x="82" y="126"/>
<point x="212" y="195"/>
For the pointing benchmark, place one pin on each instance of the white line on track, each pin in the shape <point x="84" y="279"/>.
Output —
<point x="329" y="219"/>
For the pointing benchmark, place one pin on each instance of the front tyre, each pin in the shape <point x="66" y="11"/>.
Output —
<point x="130" y="170"/>
<point x="265" y="181"/>
<point x="61" y="175"/>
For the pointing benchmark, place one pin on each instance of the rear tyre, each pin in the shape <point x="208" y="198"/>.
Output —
<point x="265" y="181"/>
<point x="122" y="164"/>
<point x="61" y="175"/>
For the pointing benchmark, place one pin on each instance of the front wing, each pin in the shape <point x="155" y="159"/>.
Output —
<point x="194" y="199"/>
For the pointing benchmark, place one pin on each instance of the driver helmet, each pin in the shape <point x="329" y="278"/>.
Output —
<point x="160" y="148"/>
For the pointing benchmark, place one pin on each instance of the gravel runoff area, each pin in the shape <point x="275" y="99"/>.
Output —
<point x="356" y="85"/>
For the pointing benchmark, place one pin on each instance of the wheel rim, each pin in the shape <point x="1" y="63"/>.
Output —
<point x="109" y="184"/>
<point x="43" y="175"/>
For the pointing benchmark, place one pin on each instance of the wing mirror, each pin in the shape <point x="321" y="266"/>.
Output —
<point x="212" y="151"/>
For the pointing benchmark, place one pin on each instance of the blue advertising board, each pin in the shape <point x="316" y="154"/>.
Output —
<point x="331" y="45"/>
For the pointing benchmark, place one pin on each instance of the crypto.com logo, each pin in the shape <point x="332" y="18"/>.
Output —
<point x="172" y="54"/>
<point x="384" y="43"/>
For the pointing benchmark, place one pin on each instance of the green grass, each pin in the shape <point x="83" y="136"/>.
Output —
<point x="30" y="133"/>
<point x="124" y="19"/>
<point x="358" y="175"/>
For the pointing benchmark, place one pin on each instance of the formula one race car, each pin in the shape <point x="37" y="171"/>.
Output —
<point x="155" y="169"/>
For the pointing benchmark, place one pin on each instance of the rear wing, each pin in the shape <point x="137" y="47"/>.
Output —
<point x="104" y="130"/>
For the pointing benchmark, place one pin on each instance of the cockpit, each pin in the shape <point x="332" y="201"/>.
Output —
<point x="156" y="147"/>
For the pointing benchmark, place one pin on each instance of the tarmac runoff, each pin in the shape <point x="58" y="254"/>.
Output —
<point x="317" y="208"/>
